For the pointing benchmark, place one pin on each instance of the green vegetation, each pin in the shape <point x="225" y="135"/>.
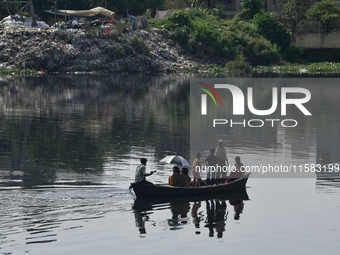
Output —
<point x="249" y="8"/>
<point x="313" y="69"/>
<point x="239" y="67"/>
<point x="140" y="46"/>
<point x="237" y="43"/>
<point x="296" y="9"/>
<point x="273" y="30"/>
<point x="25" y="72"/>
<point x="326" y="11"/>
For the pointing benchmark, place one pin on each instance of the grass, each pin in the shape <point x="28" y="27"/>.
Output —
<point x="235" y="69"/>
<point x="212" y="70"/>
<point x="18" y="72"/>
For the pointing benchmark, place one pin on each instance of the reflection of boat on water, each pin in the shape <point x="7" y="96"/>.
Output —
<point x="328" y="176"/>
<point x="166" y="191"/>
<point x="182" y="208"/>
<point x="329" y="171"/>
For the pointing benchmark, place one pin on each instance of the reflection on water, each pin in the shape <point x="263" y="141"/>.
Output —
<point x="179" y="215"/>
<point x="85" y="130"/>
<point x="216" y="216"/>
<point x="63" y="130"/>
<point x="206" y="215"/>
<point x="328" y="177"/>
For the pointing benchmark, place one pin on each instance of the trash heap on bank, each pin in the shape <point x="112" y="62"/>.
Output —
<point x="90" y="44"/>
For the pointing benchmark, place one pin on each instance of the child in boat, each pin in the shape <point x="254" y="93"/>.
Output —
<point x="184" y="179"/>
<point x="236" y="171"/>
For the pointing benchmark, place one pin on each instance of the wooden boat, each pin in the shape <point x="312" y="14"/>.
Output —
<point x="145" y="190"/>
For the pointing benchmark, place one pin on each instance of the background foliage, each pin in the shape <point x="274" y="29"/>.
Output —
<point x="325" y="10"/>
<point x="296" y="9"/>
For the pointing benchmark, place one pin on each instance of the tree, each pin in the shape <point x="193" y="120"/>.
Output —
<point x="249" y="8"/>
<point x="296" y="9"/>
<point x="75" y="5"/>
<point x="325" y="11"/>
<point x="41" y="5"/>
<point x="135" y="7"/>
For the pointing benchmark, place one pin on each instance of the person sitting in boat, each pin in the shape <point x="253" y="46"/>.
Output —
<point x="184" y="180"/>
<point x="141" y="172"/>
<point x="236" y="171"/>
<point x="196" y="168"/>
<point x="174" y="179"/>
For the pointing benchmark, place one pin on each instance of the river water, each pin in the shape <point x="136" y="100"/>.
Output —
<point x="69" y="146"/>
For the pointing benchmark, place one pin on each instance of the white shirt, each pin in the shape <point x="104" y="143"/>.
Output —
<point x="140" y="171"/>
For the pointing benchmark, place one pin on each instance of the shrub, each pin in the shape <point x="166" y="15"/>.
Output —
<point x="139" y="45"/>
<point x="249" y="8"/>
<point x="273" y="30"/>
<point x="246" y="27"/>
<point x="238" y="66"/>
<point x="180" y="18"/>
<point x="293" y="53"/>
<point x="261" y="52"/>
<point x="182" y="34"/>
<point x="205" y="33"/>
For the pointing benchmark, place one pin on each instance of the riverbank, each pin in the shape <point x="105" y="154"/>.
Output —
<point x="72" y="50"/>
<point x="27" y="51"/>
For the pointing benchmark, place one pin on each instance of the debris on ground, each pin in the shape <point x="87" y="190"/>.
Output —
<point x="108" y="47"/>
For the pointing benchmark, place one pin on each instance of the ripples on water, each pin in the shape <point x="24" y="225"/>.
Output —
<point x="38" y="215"/>
<point x="69" y="147"/>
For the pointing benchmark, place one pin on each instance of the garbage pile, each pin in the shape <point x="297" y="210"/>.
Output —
<point x="52" y="49"/>
<point x="17" y="20"/>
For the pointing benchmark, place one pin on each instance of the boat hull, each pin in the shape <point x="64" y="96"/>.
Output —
<point x="165" y="191"/>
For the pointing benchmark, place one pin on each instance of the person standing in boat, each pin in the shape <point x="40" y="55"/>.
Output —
<point x="211" y="163"/>
<point x="222" y="162"/>
<point x="141" y="172"/>
<point x="196" y="168"/>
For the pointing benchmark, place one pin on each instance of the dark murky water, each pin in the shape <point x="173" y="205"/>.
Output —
<point x="69" y="146"/>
